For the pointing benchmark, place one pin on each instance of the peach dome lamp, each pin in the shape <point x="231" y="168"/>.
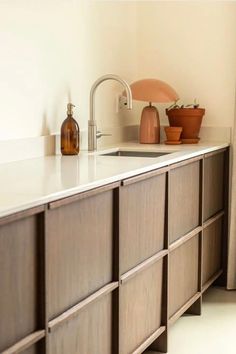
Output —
<point x="152" y="91"/>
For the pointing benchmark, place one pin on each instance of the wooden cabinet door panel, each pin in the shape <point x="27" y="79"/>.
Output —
<point x="142" y="214"/>
<point x="19" y="283"/>
<point x="140" y="307"/>
<point x="212" y="249"/>
<point x="213" y="184"/>
<point x="183" y="274"/>
<point x="34" y="349"/>
<point x="79" y="250"/>
<point x="184" y="195"/>
<point x="88" y="333"/>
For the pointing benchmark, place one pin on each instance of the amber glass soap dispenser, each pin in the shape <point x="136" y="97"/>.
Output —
<point x="70" y="133"/>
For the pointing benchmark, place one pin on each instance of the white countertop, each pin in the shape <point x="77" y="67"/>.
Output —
<point x="29" y="183"/>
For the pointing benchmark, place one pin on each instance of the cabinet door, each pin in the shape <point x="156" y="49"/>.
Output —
<point x="183" y="274"/>
<point x="184" y="194"/>
<point x="142" y="215"/>
<point x="140" y="307"/>
<point x="212" y="249"/>
<point x="213" y="184"/>
<point x="79" y="250"/>
<point x="34" y="349"/>
<point x="89" y="332"/>
<point x="19" y="280"/>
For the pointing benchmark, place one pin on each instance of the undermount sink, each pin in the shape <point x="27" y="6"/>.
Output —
<point x="135" y="153"/>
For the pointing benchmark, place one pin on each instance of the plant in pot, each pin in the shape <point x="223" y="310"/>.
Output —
<point x="189" y="117"/>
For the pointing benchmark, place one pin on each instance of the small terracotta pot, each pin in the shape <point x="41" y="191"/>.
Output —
<point x="173" y="133"/>
<point x="188" y="118"/>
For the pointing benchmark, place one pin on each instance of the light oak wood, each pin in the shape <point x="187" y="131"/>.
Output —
<point x="183" y="280"/>
<point x="79" y="250"/>
<point x="144" y="176"/>
<point x="142" y="266"/>
<point x="212" y="249"/>
<point x="90" y="332"/>
<point x="185" y="238"/>
<point x="75" y="310"/>
<point x="161" y="343"/>
<point x="216" y="152"/>
<point x="185" y="162"/>
<point x="19" y="280"/>
<point x="213" y="184"/>
<point x="26" y="344"/>
<point x="22" y="214"/>
<point x="184" y="200"/>
<point x="142" y="211"/>
<point x="211" y="280"/>
<point x="35" y="349"/>
<point x="149" y="340"/>
<point x="184" y="308"/>
<point x="108" y="270"/>
<point x="213" y="219"/>
<point x="140" y="307"/>
<point x="83" y="195"/>
<point x="195" y="308"/>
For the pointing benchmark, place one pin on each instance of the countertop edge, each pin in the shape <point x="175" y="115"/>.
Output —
<point x="95" y="184"/>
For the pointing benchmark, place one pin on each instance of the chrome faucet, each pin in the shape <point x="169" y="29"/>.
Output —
<point x="93" y="133"/>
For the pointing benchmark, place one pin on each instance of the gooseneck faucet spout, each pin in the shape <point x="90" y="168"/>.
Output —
<point x="93" y="134"/>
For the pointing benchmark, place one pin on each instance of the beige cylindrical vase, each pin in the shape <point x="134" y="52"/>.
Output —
<point x="149" y="126"/>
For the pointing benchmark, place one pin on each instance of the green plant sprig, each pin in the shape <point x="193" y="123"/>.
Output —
<point x="175" y="105"/>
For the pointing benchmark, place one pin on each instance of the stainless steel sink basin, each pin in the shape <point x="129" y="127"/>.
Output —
<point x="135" y="153"/>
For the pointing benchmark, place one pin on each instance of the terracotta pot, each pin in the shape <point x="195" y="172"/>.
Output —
<point x="190" y="119"/>
<point x="173" y="133"/>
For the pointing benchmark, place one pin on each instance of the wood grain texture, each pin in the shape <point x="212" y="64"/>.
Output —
<point x="213" y="184"/>
<point x="75" y="310"/>
<point x="140" y="307"/>
<point x="142" y="211"/>
<point x="149" y="340"/>
<point x="18" y="280"/>
<point x="35" y="349"/>
<point x="79" y="250"/>
<point x="26" y="344"/>
<point x="90" y="332"/>
<point x="144" y="176"/>
<point x="184" y="308"/>
<point x="22" y="214"/>
<point x="82" y="195"/>
<point x="212" y="249"/>
<point x="184" y="195"/>
<point x="183" y="274"/>
<point x="145" y="264"/>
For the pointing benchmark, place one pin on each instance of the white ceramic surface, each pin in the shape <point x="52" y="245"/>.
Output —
<point x="28" y="183"/>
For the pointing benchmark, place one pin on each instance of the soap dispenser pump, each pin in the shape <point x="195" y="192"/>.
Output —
<point x="70" y="133"/>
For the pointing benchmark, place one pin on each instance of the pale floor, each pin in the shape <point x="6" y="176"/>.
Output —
<point x="214" y="332"/>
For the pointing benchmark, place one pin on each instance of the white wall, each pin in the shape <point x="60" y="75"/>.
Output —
<point x="53" y="50"/>
<point x="192" y="46"/>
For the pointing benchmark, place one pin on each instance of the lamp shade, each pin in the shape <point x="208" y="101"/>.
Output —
<point x="153" y="90"/>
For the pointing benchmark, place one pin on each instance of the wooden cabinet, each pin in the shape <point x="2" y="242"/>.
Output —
<point x="108" y="270"/>
<point x="142" y="217"/>
<point x="88" y="332"/>
<point x="184" y="193"/>
<point x="34" y="349"/>
<point x="214" y="172"/>
<point x="79" y="249"/>
<point x="140" y="307"/>
<point x="20" y="279"/>
<point x="212" y="250"/>
<point x="184" y="274"/>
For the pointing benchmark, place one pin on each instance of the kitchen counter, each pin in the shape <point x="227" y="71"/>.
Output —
<point x="29" y="183"/>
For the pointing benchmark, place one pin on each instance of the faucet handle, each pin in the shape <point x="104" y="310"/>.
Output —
<point x="99" y="134"/>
